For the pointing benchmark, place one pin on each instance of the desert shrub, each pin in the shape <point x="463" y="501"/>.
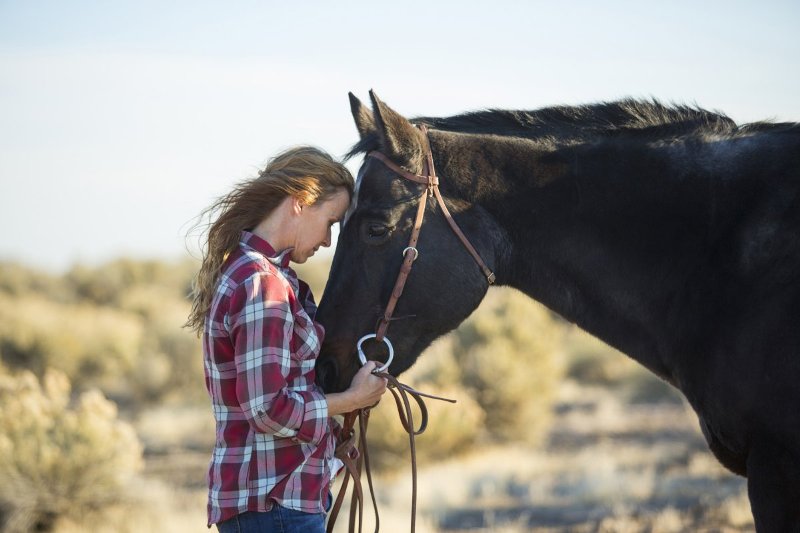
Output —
<point x="452" y="428"/>
<point x="103" y="285"/>
<point x="58" y="459"/>
<point x="170" y="365"/>
<point x="137" y="353"/>
<point x="93" y="345"/>
<point x="19" y="280"/>
<point x="508" y="353"/>
<point x="502" y="365"/>
<point x="591" y="361"/>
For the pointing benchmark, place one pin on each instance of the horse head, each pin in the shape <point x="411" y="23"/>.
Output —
<point x="443" y="287"/>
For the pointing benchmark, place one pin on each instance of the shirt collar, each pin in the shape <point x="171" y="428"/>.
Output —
<point x="279" y="259"/>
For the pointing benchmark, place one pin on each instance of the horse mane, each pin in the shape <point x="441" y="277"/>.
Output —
<point x="578" y="123"/>
<point x="587" y="120"/>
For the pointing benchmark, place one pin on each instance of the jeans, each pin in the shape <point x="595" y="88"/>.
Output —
<point x="276" y="520"/>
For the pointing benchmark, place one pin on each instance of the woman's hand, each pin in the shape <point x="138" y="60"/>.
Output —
<point x="365" y="390"/>
<point x="366" y="387"/>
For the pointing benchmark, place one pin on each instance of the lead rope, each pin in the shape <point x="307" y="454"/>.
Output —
<point x="354" y="457"/>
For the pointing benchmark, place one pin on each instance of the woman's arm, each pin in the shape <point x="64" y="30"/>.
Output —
<point x="261" y="328"/>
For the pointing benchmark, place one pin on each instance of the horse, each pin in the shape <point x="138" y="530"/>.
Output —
<point x="667" y="231"/>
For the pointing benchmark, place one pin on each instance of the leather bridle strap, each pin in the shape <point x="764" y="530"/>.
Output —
<point x="400" y="171"/>
<point x="410" y="254"/>
<point x="432" y="182"/>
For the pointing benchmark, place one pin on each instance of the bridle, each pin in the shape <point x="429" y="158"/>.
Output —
<point x="355" y="454"/>
<point x="411" y="253"/>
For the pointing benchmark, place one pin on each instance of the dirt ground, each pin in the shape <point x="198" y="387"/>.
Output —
<point x="610" y="464"/>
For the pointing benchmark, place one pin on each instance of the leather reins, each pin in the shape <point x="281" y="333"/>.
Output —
<point x="355" y="455"/>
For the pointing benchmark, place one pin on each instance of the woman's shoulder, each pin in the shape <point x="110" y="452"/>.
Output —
<point x="245" y="264"/>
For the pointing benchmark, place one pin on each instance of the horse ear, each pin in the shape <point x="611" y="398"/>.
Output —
<point x="398" y="138"/>
<point x="365" y="124"/>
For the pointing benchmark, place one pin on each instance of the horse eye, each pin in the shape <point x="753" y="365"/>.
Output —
<point x="376" y="230"/>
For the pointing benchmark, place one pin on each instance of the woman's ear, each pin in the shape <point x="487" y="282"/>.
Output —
<point x="297" y="205"/>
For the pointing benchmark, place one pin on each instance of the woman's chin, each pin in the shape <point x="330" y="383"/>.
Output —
<point x="300" y="259"/>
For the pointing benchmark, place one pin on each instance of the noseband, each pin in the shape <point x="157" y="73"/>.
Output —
<point x="411" y="253"/>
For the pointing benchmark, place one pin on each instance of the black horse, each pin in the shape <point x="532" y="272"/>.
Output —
<point x="669" y="232"/>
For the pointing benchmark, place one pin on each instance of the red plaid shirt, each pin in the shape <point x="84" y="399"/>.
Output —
<point x="275" y="440"/>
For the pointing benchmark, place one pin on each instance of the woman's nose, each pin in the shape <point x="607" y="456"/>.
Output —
<point x="327" y="241"/>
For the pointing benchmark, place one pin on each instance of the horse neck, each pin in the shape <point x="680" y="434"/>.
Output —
<point x="606" y="234"/>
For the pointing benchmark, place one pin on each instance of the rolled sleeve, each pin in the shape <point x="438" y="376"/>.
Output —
<point x="315" y="422"/>
<point x="262" y="328"/>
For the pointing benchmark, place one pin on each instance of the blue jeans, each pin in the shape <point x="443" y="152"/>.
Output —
<point x="276" y="520"/>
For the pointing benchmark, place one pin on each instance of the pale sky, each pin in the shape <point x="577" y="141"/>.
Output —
<point x="120" y="121"/>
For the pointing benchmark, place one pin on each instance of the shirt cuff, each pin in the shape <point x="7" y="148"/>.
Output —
<point x="315" y="424"/>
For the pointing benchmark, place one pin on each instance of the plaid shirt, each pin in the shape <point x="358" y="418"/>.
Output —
<point x="275" y="440"/>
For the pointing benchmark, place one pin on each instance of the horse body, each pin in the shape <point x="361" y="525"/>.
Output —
<point x="647" y="248"/>
<point x="669" y="233"/>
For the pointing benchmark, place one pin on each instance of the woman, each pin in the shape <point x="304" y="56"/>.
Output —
<point x="273" y="461"/>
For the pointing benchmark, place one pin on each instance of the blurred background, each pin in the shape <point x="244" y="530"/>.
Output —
<point x="121" y="121"/>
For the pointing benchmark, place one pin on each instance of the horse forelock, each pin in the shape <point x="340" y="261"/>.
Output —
<point x="364" y="145"/>
<point x="354" y="202"/>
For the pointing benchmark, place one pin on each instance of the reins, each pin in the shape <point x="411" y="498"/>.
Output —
<point x="355" y="455"/>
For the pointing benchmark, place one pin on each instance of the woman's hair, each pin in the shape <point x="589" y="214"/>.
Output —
<point x="305" y="172"/>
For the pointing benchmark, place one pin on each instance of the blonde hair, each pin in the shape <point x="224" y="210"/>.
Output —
<point x="305" y="172"/>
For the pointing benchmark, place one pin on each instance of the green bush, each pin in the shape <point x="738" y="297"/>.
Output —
<point x="58" y="459"/>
